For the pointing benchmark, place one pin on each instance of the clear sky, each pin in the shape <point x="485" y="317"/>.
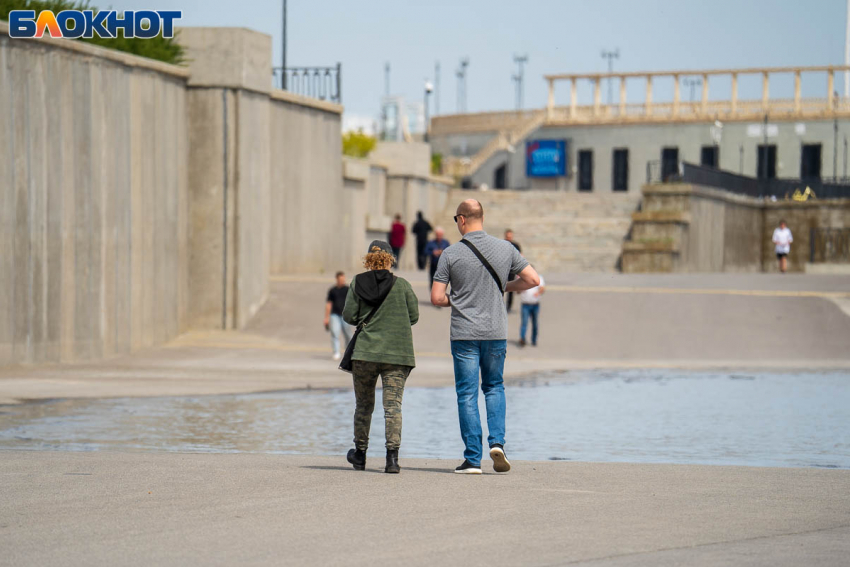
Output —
<point x="557" y="35"/>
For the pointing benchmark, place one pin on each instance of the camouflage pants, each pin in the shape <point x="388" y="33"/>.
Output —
<point x="393" y="378"/>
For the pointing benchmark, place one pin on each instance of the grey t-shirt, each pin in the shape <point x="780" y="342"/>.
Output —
<point x="478" y="312"/>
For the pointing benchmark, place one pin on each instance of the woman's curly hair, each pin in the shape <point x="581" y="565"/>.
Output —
<point x="377" y="259"/>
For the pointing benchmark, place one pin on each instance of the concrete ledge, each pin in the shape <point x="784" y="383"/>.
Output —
<point x="115" y="56"/>
<point x="650" y="246"/>
<point x="676" y="217"/>
<point x="292" y="98"/>
<point x="355" y="170"/>
<point x="828" y="269"/>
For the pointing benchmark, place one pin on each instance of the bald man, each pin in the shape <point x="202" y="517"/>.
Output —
<point x="479" y="327"/>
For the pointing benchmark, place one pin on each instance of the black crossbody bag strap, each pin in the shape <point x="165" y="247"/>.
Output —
<point x="486" y="264"/>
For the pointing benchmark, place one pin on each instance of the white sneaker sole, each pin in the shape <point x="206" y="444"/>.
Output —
<point x="500" y="461"/>
<point x="468" y="471"/>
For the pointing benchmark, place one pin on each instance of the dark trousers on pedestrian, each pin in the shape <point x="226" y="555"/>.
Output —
<point x="397" y="254"/>
<point x="393" y="377"/>
<point x="510" y="300"/>
<point x="431" y="271"/>
<point x="421" y="258"/>
<point x="532" y="311"/>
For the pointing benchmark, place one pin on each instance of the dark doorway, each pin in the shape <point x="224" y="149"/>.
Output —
<point x="810" y="161"/>
<point x="766" y="167"/>
<point x="669" y="163"/>
<point x="585" y="170"/>
<point x="620" y="177"/>
<point x="709" y="157"/>
<point x="500" y="177"/>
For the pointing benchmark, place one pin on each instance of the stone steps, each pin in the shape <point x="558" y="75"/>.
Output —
<point x="559" y="232"/>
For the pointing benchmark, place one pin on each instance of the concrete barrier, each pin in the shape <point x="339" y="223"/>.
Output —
<point x="93" y="201"/>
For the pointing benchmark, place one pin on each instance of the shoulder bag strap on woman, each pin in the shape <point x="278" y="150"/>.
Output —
<point x="486" y="264"/>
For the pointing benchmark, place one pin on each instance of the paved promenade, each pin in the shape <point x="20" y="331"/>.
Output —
<point x="692" y="321"/>
<point x="176" y="509"/>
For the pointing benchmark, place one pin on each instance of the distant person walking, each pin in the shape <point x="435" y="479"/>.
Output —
<point x="334" y="305"/>
<point x="433" y="252"/>
<point x="530" y="300"/>
<point x="782" y="238"/>
<point x="397" y="235"/>
<point x="421" y="228"/>
<point x="509" y="236"/>
<point x="476" y="268"/>
<point x="386" y="307"/>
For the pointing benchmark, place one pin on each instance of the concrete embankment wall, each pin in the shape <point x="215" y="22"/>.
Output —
<point x="687" y="228"/>
<point x="93" y="201"/>
<point x="139" y="200"/>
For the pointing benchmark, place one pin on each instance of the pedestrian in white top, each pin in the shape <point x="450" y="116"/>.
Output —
<point x="530" y="300"/>
<point x="782" y="239"/>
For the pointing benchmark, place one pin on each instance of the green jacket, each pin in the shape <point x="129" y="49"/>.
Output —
<point x="388" y="337"/>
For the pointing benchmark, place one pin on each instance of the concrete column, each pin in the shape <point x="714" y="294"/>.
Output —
<point x="734" y="93"/>
<point x="648" y="95"/>
<point x="765" y="90"/>
<point x="830" y="87"/>
<point x="797" y="90"/>
<point x="573" y="97"/>
<point x="676" y="95"/>
<point x="704" y="93"/>
<point x="551" y="104"/>
<point x="597" y="95"/>
<point x="622" y="96"/>
<point x="229" y="165"/>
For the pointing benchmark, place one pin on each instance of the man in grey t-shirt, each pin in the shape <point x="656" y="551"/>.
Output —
<point x="479" y="328"/>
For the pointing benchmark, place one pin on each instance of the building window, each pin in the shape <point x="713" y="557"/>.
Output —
<point x="620" y="177"/>
<point x="810" y="161"/>
<point x="585" y="170"/>
<point x="766" y="167"/>
<point x="669" y="163"/>
<point x="709" y="157"/>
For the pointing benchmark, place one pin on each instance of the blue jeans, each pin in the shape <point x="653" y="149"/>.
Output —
<point x="339" y="327"/>
<point x="488" y="357"/>
<point x="529" y="310"/>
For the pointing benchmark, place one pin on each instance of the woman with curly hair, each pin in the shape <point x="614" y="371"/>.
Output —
<point x="384" y="348"/>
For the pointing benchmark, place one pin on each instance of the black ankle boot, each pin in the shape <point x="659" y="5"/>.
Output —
<point x="357" y="458"/>
<point x="392" y="462"/>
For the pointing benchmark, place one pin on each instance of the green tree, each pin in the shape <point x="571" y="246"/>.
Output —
<point x="159" y="48"/>
<point x="357" y="144"/>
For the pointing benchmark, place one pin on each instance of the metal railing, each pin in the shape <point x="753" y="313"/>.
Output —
<point x="323" y="83"/>
<point x="798" y="189"/>
<point x="829" y="245"/>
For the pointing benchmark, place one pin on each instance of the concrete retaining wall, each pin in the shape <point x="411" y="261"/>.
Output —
<point x="685" y="228"/>
<point x="93" y="201"/>
<point x="139" y="199"/>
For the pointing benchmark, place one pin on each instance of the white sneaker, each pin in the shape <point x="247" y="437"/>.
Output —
<point x="337" y="356"/>
<point x="468" y="468"/>
<point x="500" y="460"/>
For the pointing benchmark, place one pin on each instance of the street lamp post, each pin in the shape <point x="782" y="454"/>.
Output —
<point x="283" y="51"/>
<point x="429" y="88"/>
<point x="610" y="56"/>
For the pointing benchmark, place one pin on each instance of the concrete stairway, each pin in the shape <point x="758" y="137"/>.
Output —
<point x="501" y="141"/>
<point x="558" y="232"/>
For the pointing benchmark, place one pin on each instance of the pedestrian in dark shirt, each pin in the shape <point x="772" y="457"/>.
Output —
<point x="421" y="228"/>
<point x="334" y="306"/>
<point x="509" y="236"/>
<point x="433" y="252"/>
<point x="397" y="234"/>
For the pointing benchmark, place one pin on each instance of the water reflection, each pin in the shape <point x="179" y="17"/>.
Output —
<point x="634" y="416"/>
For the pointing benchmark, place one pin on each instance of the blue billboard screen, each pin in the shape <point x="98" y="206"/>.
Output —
<point x="546" y="158"/>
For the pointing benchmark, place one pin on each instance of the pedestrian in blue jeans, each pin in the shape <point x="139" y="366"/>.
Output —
<point x="530" y="300"/>
<point x="476" y="268"/>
